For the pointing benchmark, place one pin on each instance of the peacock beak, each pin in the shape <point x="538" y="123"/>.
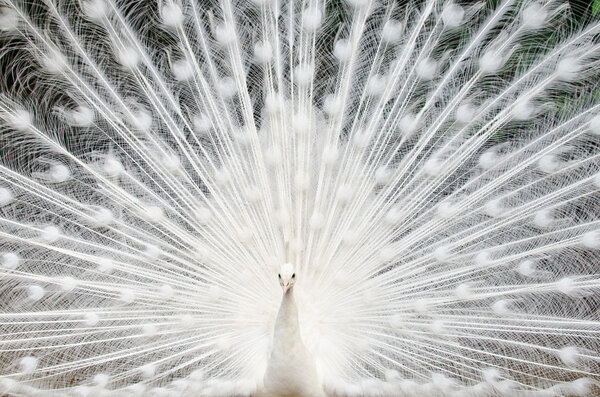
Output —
<point x="286" y="287"/>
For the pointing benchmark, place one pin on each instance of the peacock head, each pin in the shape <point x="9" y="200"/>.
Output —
<point x="287" y="277"/>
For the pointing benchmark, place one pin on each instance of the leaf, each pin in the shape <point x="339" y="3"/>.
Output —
<point x="596" y="7"/>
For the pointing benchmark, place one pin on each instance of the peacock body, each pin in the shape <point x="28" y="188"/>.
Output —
<point x="428" y="171"/>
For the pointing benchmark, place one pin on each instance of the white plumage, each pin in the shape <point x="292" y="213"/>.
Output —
<point x="430" y="169"/>
<point x="291" y="370"/>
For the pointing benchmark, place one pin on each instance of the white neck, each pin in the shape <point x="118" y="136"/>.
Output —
<point x="291" y="370"/>
<point x="287" y="328"/>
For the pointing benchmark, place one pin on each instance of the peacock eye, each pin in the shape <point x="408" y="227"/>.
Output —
<point x="279" y="275"/>
<point x="294" y="275"/>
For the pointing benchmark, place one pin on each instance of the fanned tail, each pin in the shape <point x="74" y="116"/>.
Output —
<point x="431" y="169"/>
